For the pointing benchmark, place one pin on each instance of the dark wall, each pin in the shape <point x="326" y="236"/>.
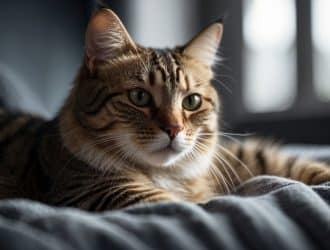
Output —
<point x="41" y="45"/>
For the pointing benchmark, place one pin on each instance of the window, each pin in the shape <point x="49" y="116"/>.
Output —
<point x="269" y="57"/>
<point x="321" y="47"/>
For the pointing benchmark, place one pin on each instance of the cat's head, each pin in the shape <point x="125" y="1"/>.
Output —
<point x="136" y="106"/>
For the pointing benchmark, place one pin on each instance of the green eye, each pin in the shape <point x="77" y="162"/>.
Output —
<point x="139" y="97"/>
<point x="192" y="102"/>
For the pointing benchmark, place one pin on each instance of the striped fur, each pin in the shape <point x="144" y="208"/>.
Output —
<point x="103" y="151"/>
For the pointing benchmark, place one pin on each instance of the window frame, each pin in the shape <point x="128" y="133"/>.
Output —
<point x="295" y="124"/>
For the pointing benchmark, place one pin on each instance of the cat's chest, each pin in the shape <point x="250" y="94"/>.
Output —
<point x="195" y="190"/>
<point x="171" y="185"/>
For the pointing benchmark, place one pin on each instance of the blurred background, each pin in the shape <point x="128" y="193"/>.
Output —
<point x="274" y="78"/>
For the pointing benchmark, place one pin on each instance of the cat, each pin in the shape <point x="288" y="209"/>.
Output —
<point x="139" y="125"/>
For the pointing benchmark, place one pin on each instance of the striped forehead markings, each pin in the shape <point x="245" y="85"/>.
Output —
<point x="152" y="78"/>
<point x="168" y="65"/>
<point x="179" y="72"/>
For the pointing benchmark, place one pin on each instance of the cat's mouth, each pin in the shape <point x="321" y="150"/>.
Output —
<point x="164" y="152"/>
<point x="169" y="149"/>
<point x="164" y="156"/>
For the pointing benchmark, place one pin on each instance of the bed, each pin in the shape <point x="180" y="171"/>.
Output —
<point x="263" y="213"/>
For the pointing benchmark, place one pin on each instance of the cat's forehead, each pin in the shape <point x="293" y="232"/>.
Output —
<point x="166" y="68"/>
<point x="156" y="68"/>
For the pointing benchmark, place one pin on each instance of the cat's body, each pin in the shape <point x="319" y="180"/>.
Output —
<point x="140" y="125"/>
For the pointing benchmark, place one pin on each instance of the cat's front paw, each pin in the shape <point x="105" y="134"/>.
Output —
<point x="321" y="177"/>
<point x="316" y="174"/>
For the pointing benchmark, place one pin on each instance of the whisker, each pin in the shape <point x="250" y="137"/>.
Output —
<point x="215" y="171"/>
<point x="234" y="157"/>
<point x="224" y="164"/>
<point x="237" y="159"/>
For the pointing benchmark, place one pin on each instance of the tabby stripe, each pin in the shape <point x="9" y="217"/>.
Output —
<point x="87" y="126"/>
<point x="168" y="60"/>
<point x="103" y="203"/>
<point x="82" y="189"/>
<point x="198" y="85"/>
<point x="79" y="182"/>
<point x="202" y="111"/>
<point x="101" y="104"/>
<point x="172" y="70"/>
<point x="96" y="204"/>
<point x="126" y="108"/>
<point x="76" y="199"/>
<point x="289" y="166"/>
<point x="209" y="100"/>
<point x="176" y="59"/>
<point x="187" y="80"/>
<point x="140" y="197"/>
<point x="128" y="191"/>
<point x="163" y="72"/>
<point x="114" y="196"/>
<point x="184" y="114"/>
<point x="260" y="157"/>
<point x="240" y="154"/>
<point x="152" y="78"/>
<point x="178" y="70"/>
<point x="302" y="171"/>
<point x="7" y="139"/>
<point x="198" y="118"/>
<point x="110" y="198"/>
<point x="97" y="96"/>
<point x="313" y="175"/>
<point x="106" y="127"/>
<point x="95" y="103"/>
<point x="155" y="58"/>
<point x="140" y="78"/>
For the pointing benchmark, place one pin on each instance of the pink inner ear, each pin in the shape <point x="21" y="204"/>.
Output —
<point x="106" y="38"/>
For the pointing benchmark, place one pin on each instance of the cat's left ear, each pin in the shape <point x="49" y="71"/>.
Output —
<point x="106" y="38"/>
<point x="205" y="45"/>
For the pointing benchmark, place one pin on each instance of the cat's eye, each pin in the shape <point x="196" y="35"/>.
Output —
<point x="140" y="97"/>
<point x="192" y="102"/>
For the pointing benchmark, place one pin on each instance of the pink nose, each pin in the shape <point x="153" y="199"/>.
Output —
<point x="172" y="130"/>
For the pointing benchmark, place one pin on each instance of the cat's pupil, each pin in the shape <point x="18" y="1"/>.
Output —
<point x="192" y="102"/>
<point x="140" y="95"/>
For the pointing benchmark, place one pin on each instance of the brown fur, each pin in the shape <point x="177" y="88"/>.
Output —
<point x="98" y="153"/>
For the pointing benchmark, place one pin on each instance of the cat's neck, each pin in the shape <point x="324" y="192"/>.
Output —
<point x="59" y="168"/>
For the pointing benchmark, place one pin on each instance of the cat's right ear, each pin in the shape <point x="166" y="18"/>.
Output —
<point x="205" y="45"/>
<point x="106" y="38"/>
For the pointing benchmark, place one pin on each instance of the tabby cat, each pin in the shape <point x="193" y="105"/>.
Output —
<point x="140" y="125"/>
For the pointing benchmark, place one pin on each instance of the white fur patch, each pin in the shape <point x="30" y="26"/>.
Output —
<point x="163" y="152"/>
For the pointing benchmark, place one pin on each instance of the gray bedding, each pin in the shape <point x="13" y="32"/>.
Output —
<point x="269" y="213"/>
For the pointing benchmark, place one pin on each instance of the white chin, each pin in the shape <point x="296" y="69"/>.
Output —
<point x="163" y="158"/>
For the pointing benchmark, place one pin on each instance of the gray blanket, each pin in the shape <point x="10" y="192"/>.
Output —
<point x="270" y="213"/>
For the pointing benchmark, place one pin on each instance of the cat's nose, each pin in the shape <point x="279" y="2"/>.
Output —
<point x="172" y="130"/>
